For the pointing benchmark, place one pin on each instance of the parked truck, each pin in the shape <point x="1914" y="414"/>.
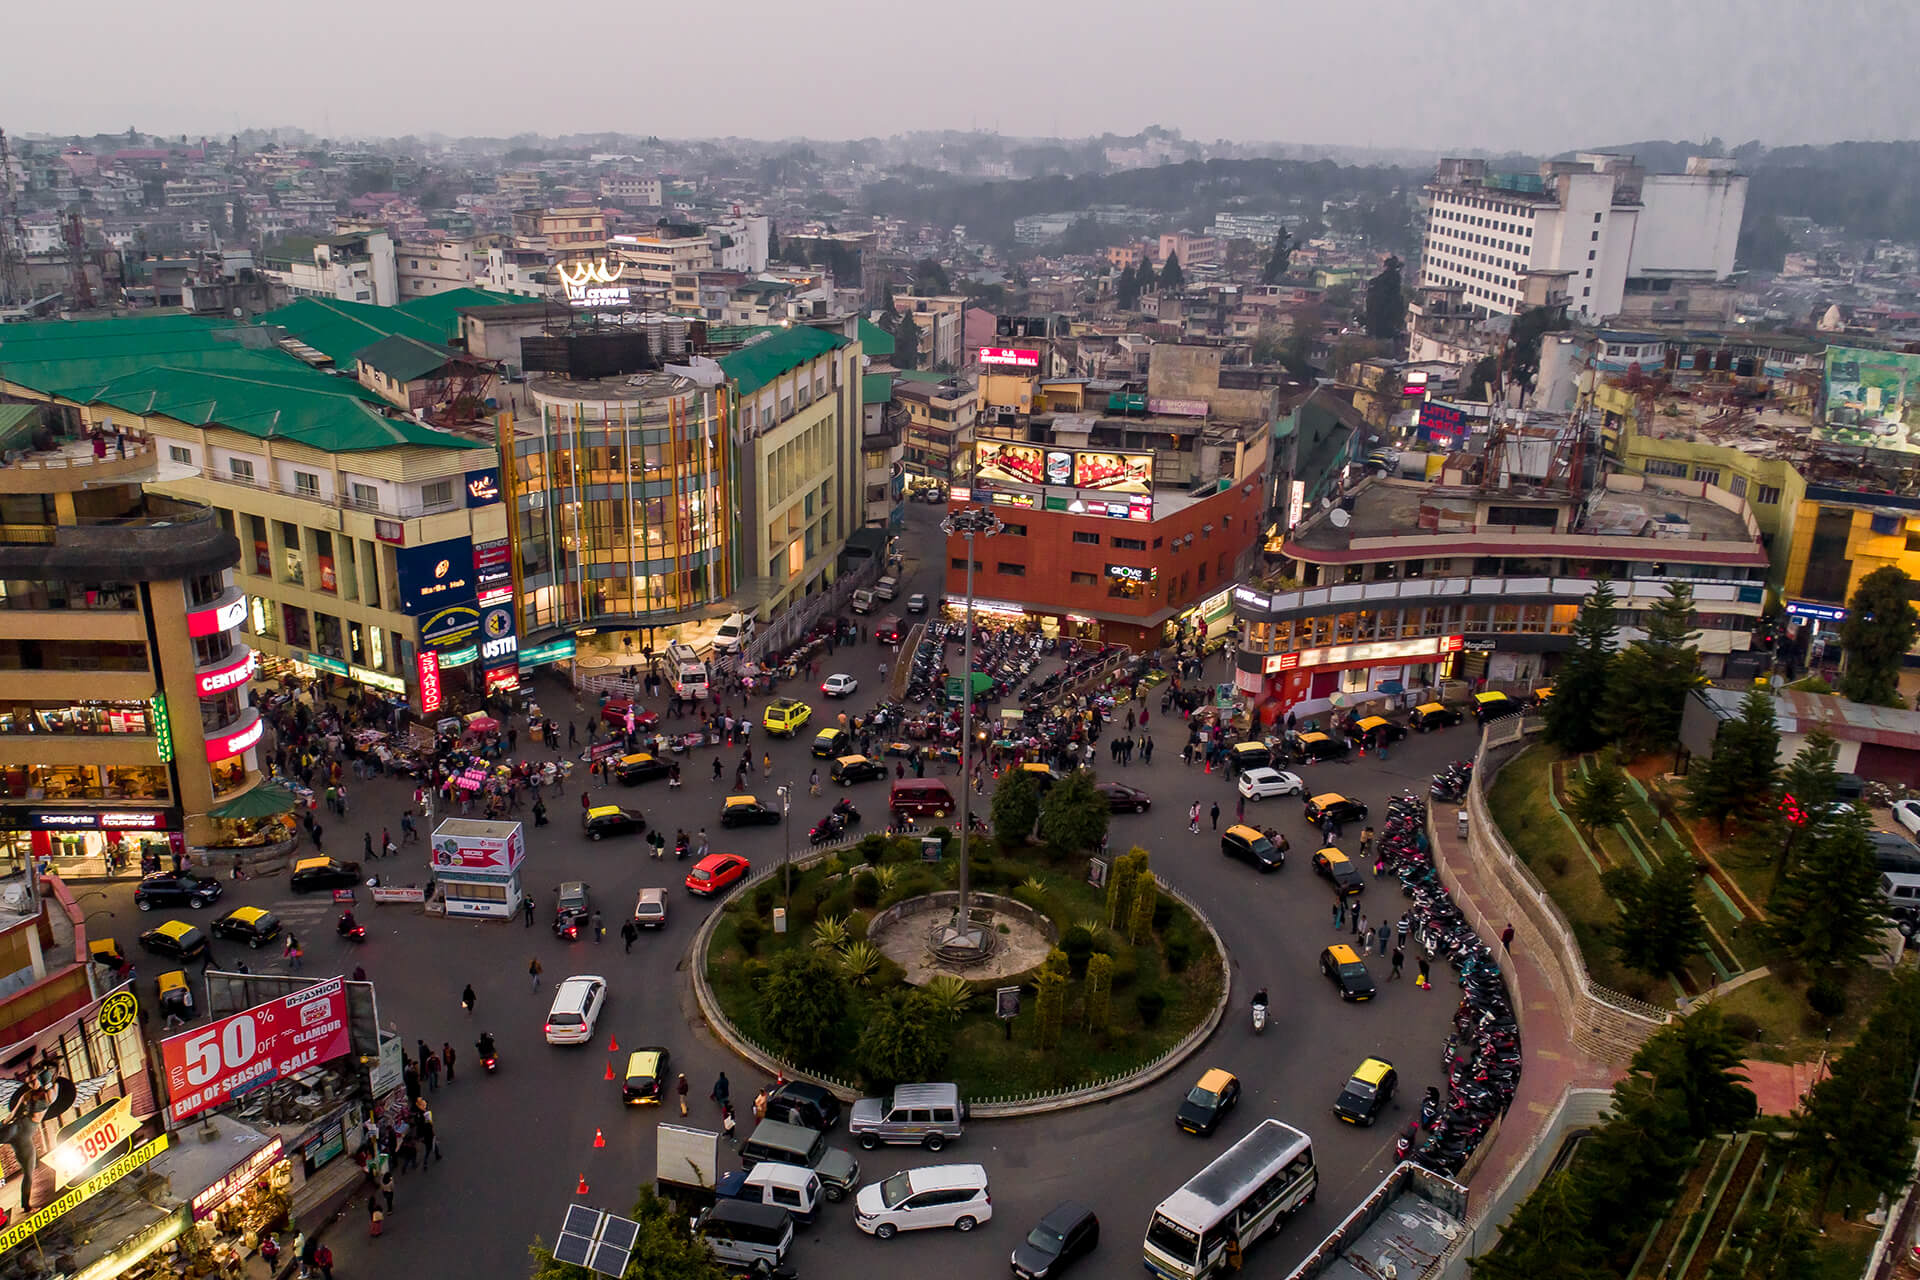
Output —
<point x="1403" y="1229"/>
<point x="688" y="1161"/>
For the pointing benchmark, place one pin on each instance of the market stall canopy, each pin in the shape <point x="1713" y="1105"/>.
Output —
<point x="264" y="801"/>
<point x="982" y="683"/>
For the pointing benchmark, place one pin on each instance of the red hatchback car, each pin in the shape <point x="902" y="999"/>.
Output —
<point x="716" y="873"/>
<point x="615" y="714"/>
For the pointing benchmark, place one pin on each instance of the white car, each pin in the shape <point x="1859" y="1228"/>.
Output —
<point x="576" y="1008"/>
<point x="917" y="603"/>
<point x="1907" y="814"/>
<point x="839" y="686"/>
<point x="941" y="1195"/>
<point x="1258" y="784"/>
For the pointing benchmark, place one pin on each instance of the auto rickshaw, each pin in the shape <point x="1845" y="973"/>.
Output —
<point x="105" y="951"/>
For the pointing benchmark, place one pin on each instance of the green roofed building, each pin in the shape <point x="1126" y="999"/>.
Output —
<point x="336" y="496"/>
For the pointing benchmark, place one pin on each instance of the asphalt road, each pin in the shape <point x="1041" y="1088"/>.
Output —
<point x="517" y="1143"/>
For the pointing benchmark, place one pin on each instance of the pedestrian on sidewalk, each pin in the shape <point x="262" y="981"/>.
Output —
<point x="1506" y="938"/>
<point x="680" y="1088"/>
<point x="466" y="999"/>
<point x="526" y="909"/>
<point x="323" y="1260"/>
<point x="627" y="934"/>
<point x="1193" y="818"/>
<point x="446" y="1056"/>
<point x="534" y="971"/>
<point x="721" y="1092"/>
<point x="1364" y="932"/>
<point x="599" y="927"/>
<point x="1399" y="958"/>
<point x="1386" y="935"/>
<point x="433" y="1071"/>
<point x="1353" y="913"/>
<point x="1215" y="813"/>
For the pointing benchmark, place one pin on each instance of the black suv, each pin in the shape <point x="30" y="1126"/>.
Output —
<point x="797" y="1102"/>
<point x="175" y="888"/>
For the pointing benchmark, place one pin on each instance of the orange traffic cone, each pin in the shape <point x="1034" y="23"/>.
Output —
<point x="610" y="1074"/>
<point x="613" y="1046"/>
<point x="581" y="1190"/>
<point x="599" y="1138"/>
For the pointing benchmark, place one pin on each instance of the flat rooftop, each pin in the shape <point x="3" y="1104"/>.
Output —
<point x="1386" y="509"/>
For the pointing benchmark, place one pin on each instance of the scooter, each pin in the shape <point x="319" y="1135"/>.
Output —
<point x="1404" y="1147"/>
<point x="1260" y="1014"/>
<point x="350" y="929"/>
<point x="489" y="1059"/>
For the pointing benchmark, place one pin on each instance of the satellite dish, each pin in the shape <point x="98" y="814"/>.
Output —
<point x="1340" y="517"/>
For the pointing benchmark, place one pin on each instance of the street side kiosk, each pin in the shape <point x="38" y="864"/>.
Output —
<point x="477" y="866"/>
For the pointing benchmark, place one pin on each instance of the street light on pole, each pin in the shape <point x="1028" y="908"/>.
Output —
<point x="785" y="792"/>
<point x="968" y="522"/>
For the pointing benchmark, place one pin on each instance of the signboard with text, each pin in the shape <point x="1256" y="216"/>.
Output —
<point x="1007" y="462"/>
<point x="1113" y="472"/>
<point x="1011" y="357"/>
<point x="436" y="575"/>
<point x="206" y="1067"/>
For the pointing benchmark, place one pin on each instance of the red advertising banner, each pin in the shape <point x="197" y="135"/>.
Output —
<point x="429" y="663"/>
<point x="208" y="1066"/>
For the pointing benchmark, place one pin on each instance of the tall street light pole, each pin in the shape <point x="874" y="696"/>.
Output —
<point x="968" y="522"/>
<point x="785" y="792"/>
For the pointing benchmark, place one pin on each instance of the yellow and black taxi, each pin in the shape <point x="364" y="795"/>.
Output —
<point x="830" y="743"/>
<point x="646" y="1076"/>
<point x="1331" y="805"/>
<point x="175" y="939"/>
<point x="1343" y="967"/>
<point x="105" y="951"/>
<point x="1309" y="747"/>
<point x="1208" y="1102"/>
<point x="1251" y="846"/>
<point x="1491" y="706"/>
<point x="641" y="766"/>
<point x="605" y="820"/>
<point x="174" y="889"/>
<point x="1433" y="715"/>
<point x="746" y="811"/>
<point x="1374" y="730"/>
<point x="785" y="717"/>
<point x="176" y="996"/>
<point x="324" y="873"/>
<point x="1339" y="868"/>
<point x="1541" y="696"/>
<point x="254" y="926"/>
<point x="848" y="770"/>
<point x="1368" y="1092"/>
<point x="1242" y="756"/>
<point x="1043" y="775"/>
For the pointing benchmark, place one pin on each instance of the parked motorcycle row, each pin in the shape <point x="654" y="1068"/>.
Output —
<point x="1482" y="1057"/>
<point x="1450" y="784"/>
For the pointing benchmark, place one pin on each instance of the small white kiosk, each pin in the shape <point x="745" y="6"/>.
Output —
<point x="477" y="866"/>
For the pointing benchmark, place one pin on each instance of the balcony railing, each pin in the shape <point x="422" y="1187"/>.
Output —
<point x="1631" y="593"/>
<point x="373" y="506"/>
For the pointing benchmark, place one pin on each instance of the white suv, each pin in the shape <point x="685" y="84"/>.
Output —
<point x="576" y="1008"/>
<point x="941" y="1195"/>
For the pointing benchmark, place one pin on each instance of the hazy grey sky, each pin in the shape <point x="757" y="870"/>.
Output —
<point x="1530" y="74"/>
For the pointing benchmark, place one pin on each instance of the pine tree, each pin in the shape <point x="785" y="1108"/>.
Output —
<point x="1049" y="1006"/>
<point x="1740" y="778"/>
<point x="1386" y="303"/>
<point x="1598" y="798"/>
<point x="1099" y="991"/>
<point x="1126" y="290"/>
<point x="1126" y="868"/>
<point x="1857" y="1118"/>
<point x="1660" y="926"/>
<point x="1879" y="630"/>
<point x="1172" y="279"/>
<point x="1695" y="1062"/>
<point x="1652" y="676"/>
<point x="1576" y="714"/>
<point x="1812" y="781"/>
<point x="1828" y="911"/>
<point x="906" y="341"/>
<point x="1277" y="260"/>
<point x="1146" y="896"/>
<point x="1143" y="277"/>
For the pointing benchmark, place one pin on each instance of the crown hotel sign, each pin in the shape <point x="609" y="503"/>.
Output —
<point x="593" y="284"/>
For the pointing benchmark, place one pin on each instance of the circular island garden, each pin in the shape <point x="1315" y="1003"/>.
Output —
<point x="1113" y="979"/>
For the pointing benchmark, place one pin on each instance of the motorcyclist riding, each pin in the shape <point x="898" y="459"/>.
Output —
<point x="1260" y="998"/>
<point x="347" y="924"/>
<point x="485" y="1045"/>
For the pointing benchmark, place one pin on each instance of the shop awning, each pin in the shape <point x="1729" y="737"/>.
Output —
<point x="982" y="682"/>
<point x="263" y="801"/>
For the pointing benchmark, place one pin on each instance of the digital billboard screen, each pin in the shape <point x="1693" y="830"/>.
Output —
<point x="1006" y="462"/>
<point x="1113" y="472"/>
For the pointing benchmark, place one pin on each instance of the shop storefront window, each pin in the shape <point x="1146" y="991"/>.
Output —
<point x="84" y="717"/>
<point x="229" y="775"/>
<point x="1344" y="627"/>
<point x="219" y="711"/>
<point x="17" y="593"/>
<point x="1506" y="618"/>
<point x="298" y="633"/>
<point x="85" y="782"/>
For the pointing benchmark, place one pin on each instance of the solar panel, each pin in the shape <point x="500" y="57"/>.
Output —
<point x="582" y="1220"/>
<point x="619" y="1232"/>
<point x="573" y="1248"/>
<point x="609" y="1260"/>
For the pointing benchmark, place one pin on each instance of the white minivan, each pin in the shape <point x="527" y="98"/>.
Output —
<point x="576" y="1008"/>
<point x="941" y="1195"/>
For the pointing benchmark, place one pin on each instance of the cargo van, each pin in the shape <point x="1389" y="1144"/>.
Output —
<point x="921" y="798"/>
<point x="927" y="1115"/>
<point x="791" y="1144"/>
<point x="744" y="1234"/>
<point x="862" y="601"/>
<point x="887" y="588"/>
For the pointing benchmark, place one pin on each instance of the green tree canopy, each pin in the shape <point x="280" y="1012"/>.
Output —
<point x="1653" y="675"/>
<point x="1880" y="628"/>
<point x="1857" y="1120"/>
<point x="1277" y="260"/>
<point x="1143" y="276"/>
<point x="1386" y="302"/>
<point x="1660" y="927"/>
<point x="802" y="1005"/>
<point x="1172" y="278"/>
<point x="904" y="1038"/>
<point x="1576" y="714"/>
<point x="1016" y="807"/>
<point x="930" y="278"/>
<point x="1696" y="1060"/>
<point x="1073" y="813"/>
<point x="1827" y="912"/>
<point x="1741" y="778"/>
<point x="1126" y="290"/>
<point x="1600" y="794"/>
<point x="906" y="341"/>
<point x="1812" y="780"/>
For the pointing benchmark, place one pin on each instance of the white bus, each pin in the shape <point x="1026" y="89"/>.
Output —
<point x="1224" y="1208"/>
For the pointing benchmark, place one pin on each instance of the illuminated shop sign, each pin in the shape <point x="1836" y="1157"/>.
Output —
<point x="492" y="563"/>
<point x="237" y="1179"/>
<point x="162" y="727"/>
<point x="26" y="1228"/>
<point x="429" y="663"/>
<point x="483" y="487"/>
<point x="1259" y="601"/>
<point x="233" y="742"/>
<point x="450" y="628"/>
<point x="237" y="672"/>
<point x="214" y="619"/>
<point x="594" y="284"/>
<point x="436" y="575"/>
<point x="1376" y="651"/>
<point x="92" y="820"/>
<point x="552" y="651"/>
<point x="377" y="679"/>
<point x="499" y="644"/>
<point x="455" y="658"/>
<point x="1014" y="357"/>
<point x="1132" y="573"/>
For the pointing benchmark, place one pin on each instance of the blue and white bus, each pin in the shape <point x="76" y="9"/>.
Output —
<point x="1245" y="1193"/>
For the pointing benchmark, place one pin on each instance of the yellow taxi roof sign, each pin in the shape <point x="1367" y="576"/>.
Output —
<point x="1250" y="746"/>
<point x="172" y="980"/>
<point x="739" y="800"/>
<point x="1484" y="698"/>
<point x="851" y="760"/>
<point x="1332" y="854"/>
<point x="1245" y="832"/>
<point x="638" y="757"/>
<point x="1343" y="954"/>
<point x="175" y="929"/>
<point x="1327" y="798"/>
<point x="1214" y="1079"/>
<point x="103" y="947"/>
<point x="1428" y="708"/>
<point x="1373" y="722"/>
<point x="643" y="1062"/>
<point x="1372" y="1071"/>
<point x="250" y="914"/>
<point x="602" y="810"/>
<point x="1316" y="736"/>
<point x="306" y="864"/>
